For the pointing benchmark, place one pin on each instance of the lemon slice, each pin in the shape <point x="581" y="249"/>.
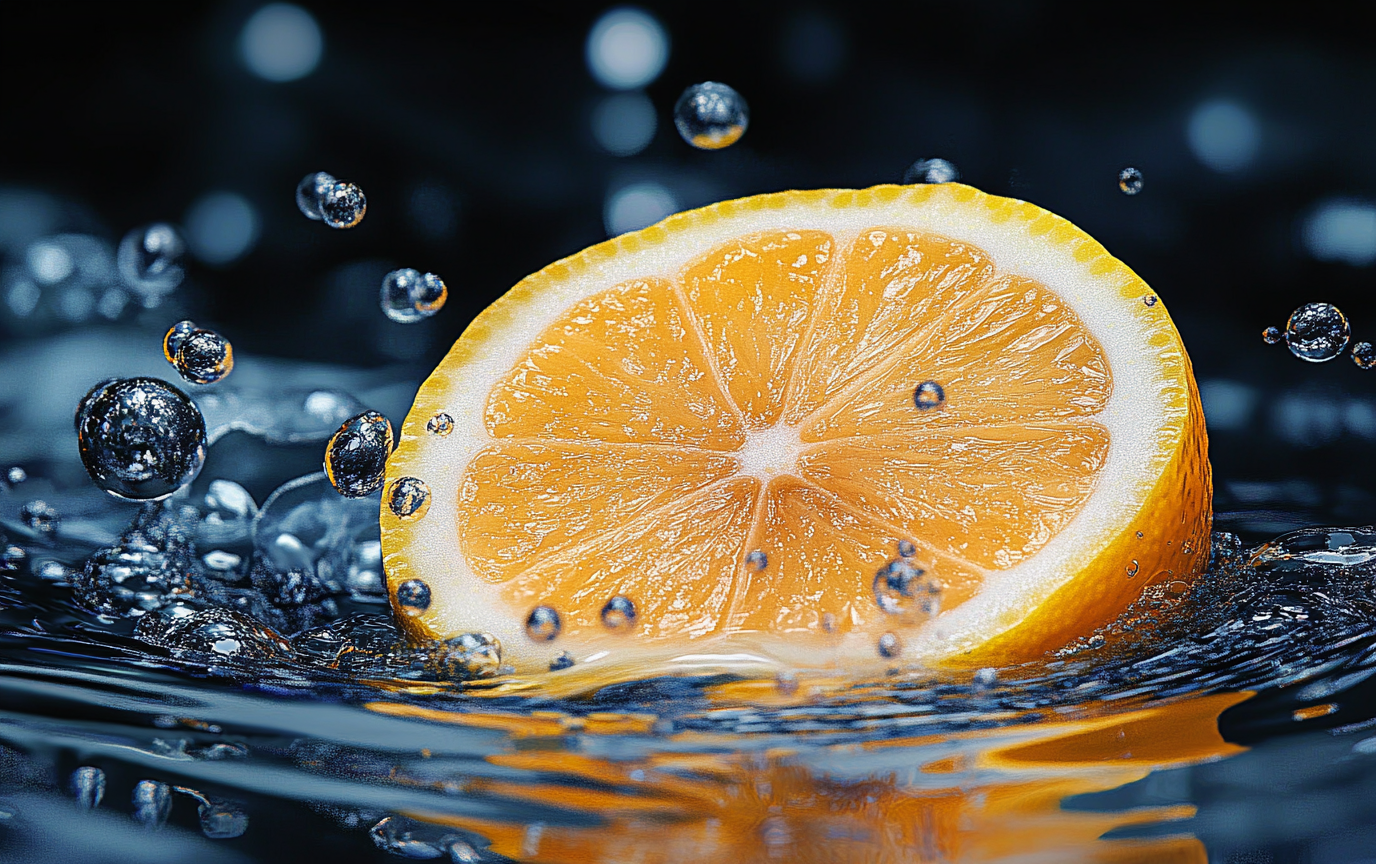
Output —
<point x="903" y="424"/>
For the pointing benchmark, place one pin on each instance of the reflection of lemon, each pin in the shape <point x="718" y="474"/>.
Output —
<point x="722" y="419"/>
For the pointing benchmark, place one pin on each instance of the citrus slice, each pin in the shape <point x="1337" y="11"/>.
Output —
<point x="902" y="424"/>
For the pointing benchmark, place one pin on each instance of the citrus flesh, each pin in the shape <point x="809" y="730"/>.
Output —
<point x="902" y="424"/>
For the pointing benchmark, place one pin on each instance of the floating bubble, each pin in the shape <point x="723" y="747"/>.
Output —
<point x="229" y="511"/>
<point x="140" y="438"/>
<point x="757" y="560"/>
<point x="356" y="456"/>
<point x="543" y="624"/>
<point x="413" y="596"/>
<point x="935" y="170"/>
<point x="562" y="660"/>
<point x="1364" y="355"/>
<point x="1317" y="332"/>
<point x="408" y="296"/>
<point x="152" y="804"/>
<point x="711" y="116"/>
<point x="151" y="259"/>
<point x="88" y="787"/>
<point x="202" y="356"/>
<point x="172" y="340"/>
<point x="429" y="296"/>
<point x="441" y="424"/>
<point x="627" y="49"/>
<point x="928" y="395"/>
<point x="1272" y="335"/>
<point x="889" y="646"/>
<point x="1130" y="181"/>
<point x="619" y="614"/>
<point x="311" y="191"/>
<point x="343" y="205"/>
<point x="900" y="588"/>
<point x="409" y="498"/>
<point x="40" y="516"/>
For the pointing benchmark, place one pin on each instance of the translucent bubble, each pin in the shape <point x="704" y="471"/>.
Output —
<point x="408" y="296"/>
<point x="409" y="498"/>
<point x="221" y="820"/>
<point x="711" y="116"/>
<point x="151" y="259"/>
<point x="543" y="624"/>
<point x="901" y="588"/>
<point x="172" y="340"/>
<point x="356" y="456"/>
<point x="428" y="297"/>
<point x="229" y="511"/>
<point x="140" y="438"/>
<point x="1272" y="335"/>
<point x="202" y="356"/>
<point x="1317" y="332"/>
<point x="928" y="395"/>
<point x="152" y="804"/>
<point x="88" y="786"/>
<point x="343" y="205"/>
<point x="1130" y="181"/>
<point x="441" y="424"/>
<point x="1364" y="355"/>
<point x="562" y="660"/>
<point x="1133" y="568"/>
<point x="311" y="191"/>
<point x="413" y="596"/>
<point x="757" y="560"/>
<point x="619" y="614"/>
<point x="40" y="516"/>
<point x="889" y="646"/>
<point x="931" y="171"/>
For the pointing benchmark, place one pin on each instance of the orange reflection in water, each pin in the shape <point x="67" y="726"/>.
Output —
<point x="990" y="795"/>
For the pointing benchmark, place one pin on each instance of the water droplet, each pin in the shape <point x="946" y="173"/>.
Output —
<point x="928" y="395"/>
<point x="711" y="116"/>
<point x="1140" y="535"/>
<point x="311" y="191"/>
<point x="900" y="588"/>
<point x="985" y="678"/>
<point x="906" y="548"/>
<point x="931" y="171"/>
<point x="543" y="624"/>
<point x="409" y="498"/>
<point x="152" y="803"/>
<point x="467" y="656"/>
<point x="356" y="456"/>
<point x="202" y="356"/>
<point x="40" y="516"/>
<point x="1364" y="355"/>
<point x="1133" y="568"/>
<point x="413" y="596"/>
<point x="140" y="438"/>
<point x="889" y="646"/>
<point x="151" y="260"/>
<point x="12" y="558"/>
<point x="1149" y="300"/>
<point x="1317" y="332"/>
<point x="221" y="820"/>
<point x="1272" y="335"/>
<point x="429" y="295"/>
<point x="619" y="614"/>
<point x="407" y="296"/>
<point x="562" y="660"/>
<point x="88" y="785"/>
<point x="172" y="340"/>
<point x="343" y="205"/>
<point x="1130" y="181"/>
<point x="441" y="424"/>
<point x="757" y="560"/>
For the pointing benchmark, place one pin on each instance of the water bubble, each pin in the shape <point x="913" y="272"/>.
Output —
<point x="429" y="296"/>
<point x="409" y="498"/>
<point x="1317" y="332"/>
<point x="562" y="660"/>
<point x="407" y="296"/>
<point x="711" y="116"/>
<point x="343" y="205"/>
<point x="543" y="624"/>
<point x="906" y="548"/>
<point x="88" y="786"/>
<point x="413" y="596"/>
<point x="889" y="646"/>
<point x="152" y="803"/>
<point x="900" y="587"/>
<point x="1272" y="335"/>
<point x="928" y="395"/>
<point x="311" y="191"/>
<point x="619" y="614"/>
<point x="441" y="424"/>
<point x="229" y="511"/>
<point x="1130" y="181"/>
<point x="151" y="260"/>
<point x="220" y="819"/>
<point x="1364" y="355"/>
<point x="985" y="678"/>
<point x="468" y="656"/>
<point x="931" y="171"/>
<point x="172" y="340"/>
<point x="16" y="475"/>
<point x="356" y="457"/>
<point x="757" y="560"/>
<point x="140" y="438"/>
<point x="1149" y="300"/>
<point x="40" y="516"/>
<point x="202" y="356"/>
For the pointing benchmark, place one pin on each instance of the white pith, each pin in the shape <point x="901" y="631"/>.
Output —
<point x="1137" y="418"/>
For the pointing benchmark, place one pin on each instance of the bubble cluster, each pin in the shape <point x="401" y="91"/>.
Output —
<point x="413" y="596"/>
<point x="1317" y="332"/>
<point x="619" y="614"/>
<point x="140" y="438"/>
<point x="543" y="624"/>
<point x="1130" y="181"/>
<point x="408" y="296"/>
<point x="199" y="356"/>
<point x="1364" y="355"/>
<point x="151" y="260"/>
<point x="929" y="395"/>
<point x="931" y="171"/>
<point x="337" y="203"/>
<point x="901" y="588"/>
<point x="356" y="455"/>
<point x="711" y="116"/>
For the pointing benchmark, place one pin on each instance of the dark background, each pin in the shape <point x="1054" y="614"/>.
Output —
<point x="468" y="128"/>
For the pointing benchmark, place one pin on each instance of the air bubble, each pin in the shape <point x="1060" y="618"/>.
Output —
<point x="343" y="205"/>
<point x="889" y="646"/>
<point x="899" y="588"/>
<point x="562" y="660"/>
<point x="356" y="455"/>
<point x="1130" y="181"/>
<point x="928" y="395"/>
<point x="152" y="804"/>
<point x="1364" y="355"/>
<point x="407" y="295"/>
<point x="441" y="424"/>
<point x="711" y="116"/>
<point x="200" y="356"/>
<point x="151" y="260"/>
<point x="1149" y="300"/>
<point x="311" y="191"/>
<point x="1272" y="335"/>
<point x="172" y="340"/>
<point x="409" y="498"/>
<point x="140" y="438"/>
<point x="88" y="787"/>
<point x="1317" y="332"/>
<point x="413" y="596"/>
<point x="543" y="624"/>
<point x="619" y="614"/>
<point x="430" y="294"/>
<point x="757" y="560"/>
<point x="931" y="171"/>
